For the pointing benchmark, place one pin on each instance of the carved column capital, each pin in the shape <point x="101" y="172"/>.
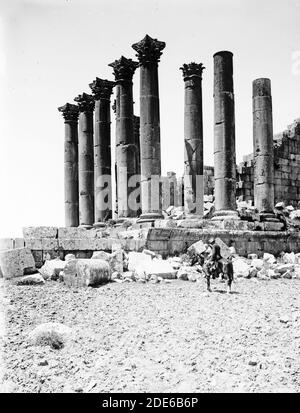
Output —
<point x="124" y="69"/>
<point x="102" y="88"/>
<point x="192" y="69"/>
<point x="69" y="111"/>
<point x="148" y="50"/>
<point x="85" y="102"/>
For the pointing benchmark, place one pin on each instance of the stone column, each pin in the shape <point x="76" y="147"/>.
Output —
<point x="86" y="161"/>
<point x="125" y="146"/>
<point x="70" y="114"/>
<point x="193" y="140"/>
<point x="102" y="90"/>
<point x="224" y="137"/>
<point x="263" y="147"/>
<point x="136" y="133"/>
<point x="148" y="52"/>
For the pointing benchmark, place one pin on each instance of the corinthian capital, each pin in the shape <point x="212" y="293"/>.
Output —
<point x="102" y="88"/>
<point x="69" y="111"/>
<point x="124" y="69"/>
<point x="85" y="102"/>
<point x="148" y="50"/>
<point x="192" y="69"/>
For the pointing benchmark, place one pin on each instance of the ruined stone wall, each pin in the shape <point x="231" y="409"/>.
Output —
<point x="209" y="180"/>
<point x="286" y="168"/>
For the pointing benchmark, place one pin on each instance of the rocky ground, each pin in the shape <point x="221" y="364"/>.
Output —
<point x="156" y="337"/>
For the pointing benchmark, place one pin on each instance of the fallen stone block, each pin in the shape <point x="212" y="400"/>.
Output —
<point x="54" y="335"/>
<point x="136" y="259"/>
<point x="197" y="248"/>
<point x="161" y="268"/>
<point x="240" y="267"/>
<point x="16" y="262"/>
<point x="51" y="269"/>
<point x="33" y="279"/>
<point x="86" y="272"/>
<point x="40" y="232"/>
<point x="269" y="258"/>
<point x="289" y="258"/>
<point x="257" y="263"/>
<point x="225" y="250"/>
<point x="100" y="255"/>
<point x="70" y="257"/>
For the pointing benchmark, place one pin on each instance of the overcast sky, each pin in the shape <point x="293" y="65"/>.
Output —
<point x="51" y="50"/>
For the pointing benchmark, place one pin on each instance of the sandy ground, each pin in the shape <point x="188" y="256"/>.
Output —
<point x="171" y="337"/>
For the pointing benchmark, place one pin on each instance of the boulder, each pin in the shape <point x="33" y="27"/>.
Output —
<point x="182" y="274"/>
<point x="70" y="257"/>
<point x="197" y="248"/>
<point x="151" y="253"/>
<point x="116" y="261"/>
<point x="86" y="272"/>
<point x="295" y="214"/>
<point x="137" y="259"/>
<point x="241" y="268"/>
<point x="283" y="268"/>
<point x="269" y="258"/>
<point x="289" y="258"/>
<point x="16" y="262"/>
<point x="257" y="263"/>
<point x="51" y="269"/>
<point x="225" y="251"/>
<point x="54" y="335"/>
<point x="33" y="279"/>
<point x="101" y="255"/>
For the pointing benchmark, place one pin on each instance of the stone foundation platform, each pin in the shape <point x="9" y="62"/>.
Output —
<point x="166" y="237"/>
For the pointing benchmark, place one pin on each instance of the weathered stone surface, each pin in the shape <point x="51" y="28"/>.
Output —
<point x="102" y="90"/>
<point x="84" y="273"/>
<point x="263" y="148"/>
<point x="137" y="259"/>
<point x="241" y="268"/>
<point x="40" y="232"/>
<point x="55" y="335"/>
<point x="85" y="159"/>
<point x="52" y="268"/>
<point x="34" y="279"/>
<point x="101" y="255"/>
<point x="193" y="139"/>
<point x="224" y="136"/>
<point x="70" y="114"/>
<point x="148" y="52"/>
<point x="197" y="248"/>
<point x="16" y="262"/>
<point x="125" y="139"/>
<point x="6" y="243"/>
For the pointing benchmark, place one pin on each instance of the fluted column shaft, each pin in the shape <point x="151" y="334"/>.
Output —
<point x="193" y="140"/>
<point x="102" y="90"/>
<point x="148" y="53"/>
<point x="224" y="137"/>
<point x="85" y="160"/>
<point x="125" y="145"/>
<point x="70" y="114"/>
<point x="263" y="148"/>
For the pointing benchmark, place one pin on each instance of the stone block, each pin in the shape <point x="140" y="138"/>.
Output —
<point x="16" y="262"/>
<point x="84" y="273"/>
<point x="6" y="244"/>
<point x="40" y="232"/>
<point x="19" y="243"/>
<point x="50" y="255"/>
<point x="80" y="233"/>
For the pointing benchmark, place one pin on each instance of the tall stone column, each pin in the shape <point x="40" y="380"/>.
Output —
<point x="85" y="160"/>
<point x="148" y="52"/>
<point x="263" y="147"/>
<point x="102" y="90"/>
<point x="70" y="114"/>
<point x="224" y="137"/>
<point x="193" y="140"/>
<point x="125" y="146"/>
<point x="136" y="133"/>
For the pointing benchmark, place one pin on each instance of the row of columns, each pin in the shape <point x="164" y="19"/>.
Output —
<point x="138" y="152"/>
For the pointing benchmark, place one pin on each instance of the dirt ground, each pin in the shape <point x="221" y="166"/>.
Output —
<point x="167" y="337"/>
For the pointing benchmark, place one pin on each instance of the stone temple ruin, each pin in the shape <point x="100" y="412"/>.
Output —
<point x="234" y="203"/>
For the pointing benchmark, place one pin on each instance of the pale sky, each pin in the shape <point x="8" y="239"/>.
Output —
<point x="50" y="50"/>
